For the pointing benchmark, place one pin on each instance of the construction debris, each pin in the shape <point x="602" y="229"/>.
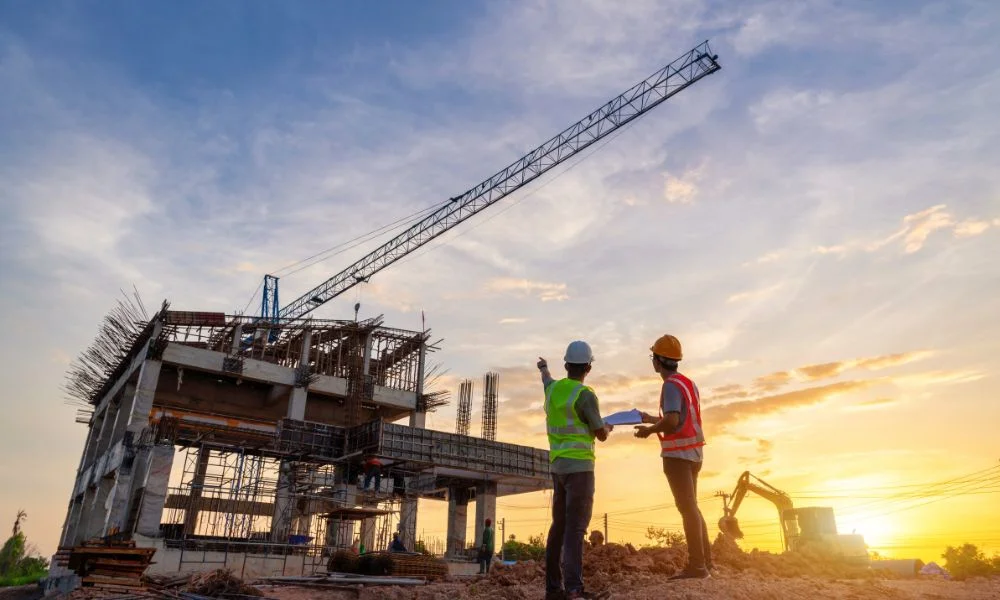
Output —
<point x="220" y="583"/>
<point x="396" y="564"/>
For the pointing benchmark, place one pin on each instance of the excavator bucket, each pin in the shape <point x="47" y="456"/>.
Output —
<point x="730" y="527"/>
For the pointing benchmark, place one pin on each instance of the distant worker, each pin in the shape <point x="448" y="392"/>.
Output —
<point x="397" y="544"/>
<point x="596" y="538"/>
<point x="573" y="420"/>
<point x="681" y="439"/>
<point x="373" y="470"/>
<point x="487" y="549"/>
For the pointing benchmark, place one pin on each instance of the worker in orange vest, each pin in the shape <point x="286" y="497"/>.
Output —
<point x="681" y="439"/>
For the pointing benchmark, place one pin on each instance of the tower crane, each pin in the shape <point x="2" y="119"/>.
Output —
<point x="692" y="66"/>
<point x="813" y="527"/>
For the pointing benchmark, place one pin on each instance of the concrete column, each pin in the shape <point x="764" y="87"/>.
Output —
<point x="161" y="459"/>
<point x="194" y="496"/>
<point x="368" y="534"/>
<point x="145" y="392"/>
<point x="137" y="403"/>
<point x="419" y="419"/>
<point x="281" y="521"/>
<point x="124" y="414"/>
<point x="339" y="533"/>
<point x="408" y="523"/>
<point x="94" y="437"/>
<point x="72" y="517"/>
<point x="297" y="399"/>
<point x="458" y="519"/>
<point x="486" y="508"/>
<point x="234" y="342"/>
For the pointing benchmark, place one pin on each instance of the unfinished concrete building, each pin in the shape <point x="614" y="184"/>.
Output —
<point x="228" y="440"/>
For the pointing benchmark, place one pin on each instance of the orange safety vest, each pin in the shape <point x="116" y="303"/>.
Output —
<point x="690" y="434"/>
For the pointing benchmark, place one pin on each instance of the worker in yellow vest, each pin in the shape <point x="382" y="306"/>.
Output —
<point x="678" y="428"/>
<point x="573" y="420"/>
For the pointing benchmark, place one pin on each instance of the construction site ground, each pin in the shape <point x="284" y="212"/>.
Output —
<point x="624" y="571"/>
<point x="726" y="584"/>
<point x="644" y="573"/>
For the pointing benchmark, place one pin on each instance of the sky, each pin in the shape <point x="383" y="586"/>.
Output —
<point x="815" y="222"/>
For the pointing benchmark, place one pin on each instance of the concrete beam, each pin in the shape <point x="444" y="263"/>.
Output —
<point x="257" y="370"/>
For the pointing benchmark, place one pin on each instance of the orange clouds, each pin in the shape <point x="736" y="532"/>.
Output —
<point x="811" y="373"/>
<point x="719" y="417"/>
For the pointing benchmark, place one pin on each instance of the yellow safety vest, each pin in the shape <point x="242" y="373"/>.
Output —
<point x="569" y="436"/>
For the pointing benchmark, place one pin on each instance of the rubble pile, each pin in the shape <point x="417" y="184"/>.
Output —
<point x="219" y="583"/>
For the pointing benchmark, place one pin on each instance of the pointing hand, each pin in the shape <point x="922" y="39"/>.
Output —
<point x="541" y="363"/>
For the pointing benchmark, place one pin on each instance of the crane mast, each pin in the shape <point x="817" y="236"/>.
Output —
<point x="618" y="112"/>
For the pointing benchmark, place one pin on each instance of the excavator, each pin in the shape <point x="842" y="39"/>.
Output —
<point x="813" y="527"/>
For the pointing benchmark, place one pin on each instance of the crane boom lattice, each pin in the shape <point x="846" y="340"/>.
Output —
<point x="618" y="112"/>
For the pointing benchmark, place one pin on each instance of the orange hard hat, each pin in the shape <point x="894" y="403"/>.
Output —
<point x="667" y="346"/>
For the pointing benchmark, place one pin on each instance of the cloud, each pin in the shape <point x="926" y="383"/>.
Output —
<point x="917" y="227"/>
<point x="772" y="382"/>
<point x="874" y="404"/>
<point x="544" y="291"/>
<point x="512" y="320"/>
<point x="973" y="227"/>
<point x="769" y="257"/>
<point x="914" y="232"/>
<point x="726" y="392"/>
<point x="683" y="189"/>
<point x="758" y="294"/>
<point x="721" y="417"/>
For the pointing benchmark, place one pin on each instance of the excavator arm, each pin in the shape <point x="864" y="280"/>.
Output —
<point x="729" y="525"/>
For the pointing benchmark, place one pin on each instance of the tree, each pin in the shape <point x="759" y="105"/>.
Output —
<point x="16" y="566"/>
<point x="967" y="561"/>
<point x="664" y="539"/>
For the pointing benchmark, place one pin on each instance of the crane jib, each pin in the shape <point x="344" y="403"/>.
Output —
<point x="618" y="112"/>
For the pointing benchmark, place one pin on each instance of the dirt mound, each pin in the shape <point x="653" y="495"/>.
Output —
<point x="805" y="563"/>
<point x="517" y="574"/>
<point x="611" y="559"/>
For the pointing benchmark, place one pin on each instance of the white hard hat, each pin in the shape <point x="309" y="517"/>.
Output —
<point x="579" y="353"/>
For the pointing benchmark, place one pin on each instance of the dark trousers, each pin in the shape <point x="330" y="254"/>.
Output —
<point x="373" y="473"/>
<point x="572" y="505"/>
<point x="682" y="475"/>
<point x="484" y="562"/>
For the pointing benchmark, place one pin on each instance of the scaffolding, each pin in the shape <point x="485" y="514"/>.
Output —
<point x="491" y="387"/>
<point x="229" y="500"/>
<point x="464" y="418"/>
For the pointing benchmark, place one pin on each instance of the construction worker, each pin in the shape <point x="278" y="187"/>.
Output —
<point x="573" y="420"/>
<point x="681" y="439"/>
<point x="487" y="549"/>
<point x="373" y="470"/>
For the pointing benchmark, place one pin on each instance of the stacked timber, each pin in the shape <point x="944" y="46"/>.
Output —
<point x="112" y="566"/>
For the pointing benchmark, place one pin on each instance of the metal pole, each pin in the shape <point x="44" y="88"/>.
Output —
<point x="503" y="535"/>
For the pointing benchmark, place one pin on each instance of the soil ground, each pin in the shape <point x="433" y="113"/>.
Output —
<point x="726" y="584"/>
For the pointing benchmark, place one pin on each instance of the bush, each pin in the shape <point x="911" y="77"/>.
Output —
<point x="533" y="550"/>
<point x="967" y="561"/>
